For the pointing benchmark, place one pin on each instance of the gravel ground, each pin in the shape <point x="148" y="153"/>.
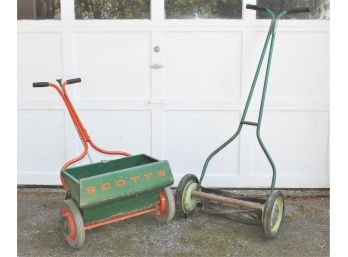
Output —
<point x="304" y="232"/>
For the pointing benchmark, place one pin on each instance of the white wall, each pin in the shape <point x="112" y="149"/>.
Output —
<point x="186" y="109"/>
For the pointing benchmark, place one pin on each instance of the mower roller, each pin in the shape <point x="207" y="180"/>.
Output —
<point x="109" y="191"/>
<point x="269" y="210"/>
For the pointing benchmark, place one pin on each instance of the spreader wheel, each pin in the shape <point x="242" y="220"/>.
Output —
<point x="273" y="214"/>
<point x="166" y="207"/>
<point x="72" y="224"/>
<point x="185" y="204"/>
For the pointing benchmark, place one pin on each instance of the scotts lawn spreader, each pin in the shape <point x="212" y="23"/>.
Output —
<point x="267" y="211"/>
<point x="109" y="191"/>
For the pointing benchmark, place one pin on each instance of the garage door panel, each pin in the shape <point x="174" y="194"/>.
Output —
<point x="128" y="131"/>
<point x="113" y="65"/>
<point x="39" y="59"/>
<point x="190" y="136"/>
<point x="202" y="65"/>
<point x="41" y="141"/>
<point x="299" y="67"/>
<point x="297" y="142"/>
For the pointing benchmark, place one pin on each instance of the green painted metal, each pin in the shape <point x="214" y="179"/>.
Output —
<point x="105" y="189"/>
<point x="267" y="45"/>
<point x="122" y="206"/>
<point x="250" y="123"/>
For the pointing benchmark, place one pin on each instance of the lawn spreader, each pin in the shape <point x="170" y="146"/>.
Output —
<point x="109" y="191"/>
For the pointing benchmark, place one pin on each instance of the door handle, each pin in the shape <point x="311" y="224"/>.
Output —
<point x="156" y="66"/>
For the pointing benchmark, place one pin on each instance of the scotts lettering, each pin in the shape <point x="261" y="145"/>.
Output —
<point x="148" y="176"/>
<point x="90" y="190"/>
<point x="106" y="186"/>
<point x="135" y="179"/>
<point x="119" y="183"/>
<point x="161" y="173"/>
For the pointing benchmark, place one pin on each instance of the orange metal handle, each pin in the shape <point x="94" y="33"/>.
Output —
<point x="80" y="129"/>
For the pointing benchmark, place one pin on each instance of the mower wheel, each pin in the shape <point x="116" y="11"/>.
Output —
<point x="273" y="213"/>
<point x="185" y="204"/>
<point x="72" y="224"/>
<point x="166" y="206"/>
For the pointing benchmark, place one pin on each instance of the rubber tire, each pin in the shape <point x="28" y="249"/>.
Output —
<point x="80" y="228"/>
<point x="179" y="194"/>
<point x="267" y="213"/>
<point x="170" y="210"/>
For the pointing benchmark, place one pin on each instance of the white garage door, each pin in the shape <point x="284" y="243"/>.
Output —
<point x="175" y="89"/>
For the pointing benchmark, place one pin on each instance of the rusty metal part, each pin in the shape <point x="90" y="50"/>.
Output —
<point x="120" y="218"/>
<point x="225" y="211"/>
<point x="226" y="200"/>
<point x="261" y="198"/>
<point x="246" y="216"/>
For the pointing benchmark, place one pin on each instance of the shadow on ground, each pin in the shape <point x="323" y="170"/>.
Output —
<point x="304" y="232"/>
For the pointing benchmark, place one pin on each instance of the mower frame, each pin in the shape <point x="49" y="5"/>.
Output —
<point x="267" y="210"/>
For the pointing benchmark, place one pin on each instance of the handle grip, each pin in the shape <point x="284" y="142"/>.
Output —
<point x="255" y="7"/>
<point x="299" y="10"/>
<point x="73" y="81"/>
<point x="41" y="84"/>
<point x="294" y="10"/>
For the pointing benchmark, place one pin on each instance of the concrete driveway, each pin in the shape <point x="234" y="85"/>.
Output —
<point x="304" y="232"/>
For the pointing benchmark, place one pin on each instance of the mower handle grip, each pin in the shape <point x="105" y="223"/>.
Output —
<point x="73" y="81"/>
<point x="293" y="10"/>
<point x="298" y="10"/>
<point x="41" y="84"/>
<point x="255" y="7"/>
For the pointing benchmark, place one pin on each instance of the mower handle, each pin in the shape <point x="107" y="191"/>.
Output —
<point x="293" y="10"/>
<point x="298" y="10"/>
<point x="255" y="7"/>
